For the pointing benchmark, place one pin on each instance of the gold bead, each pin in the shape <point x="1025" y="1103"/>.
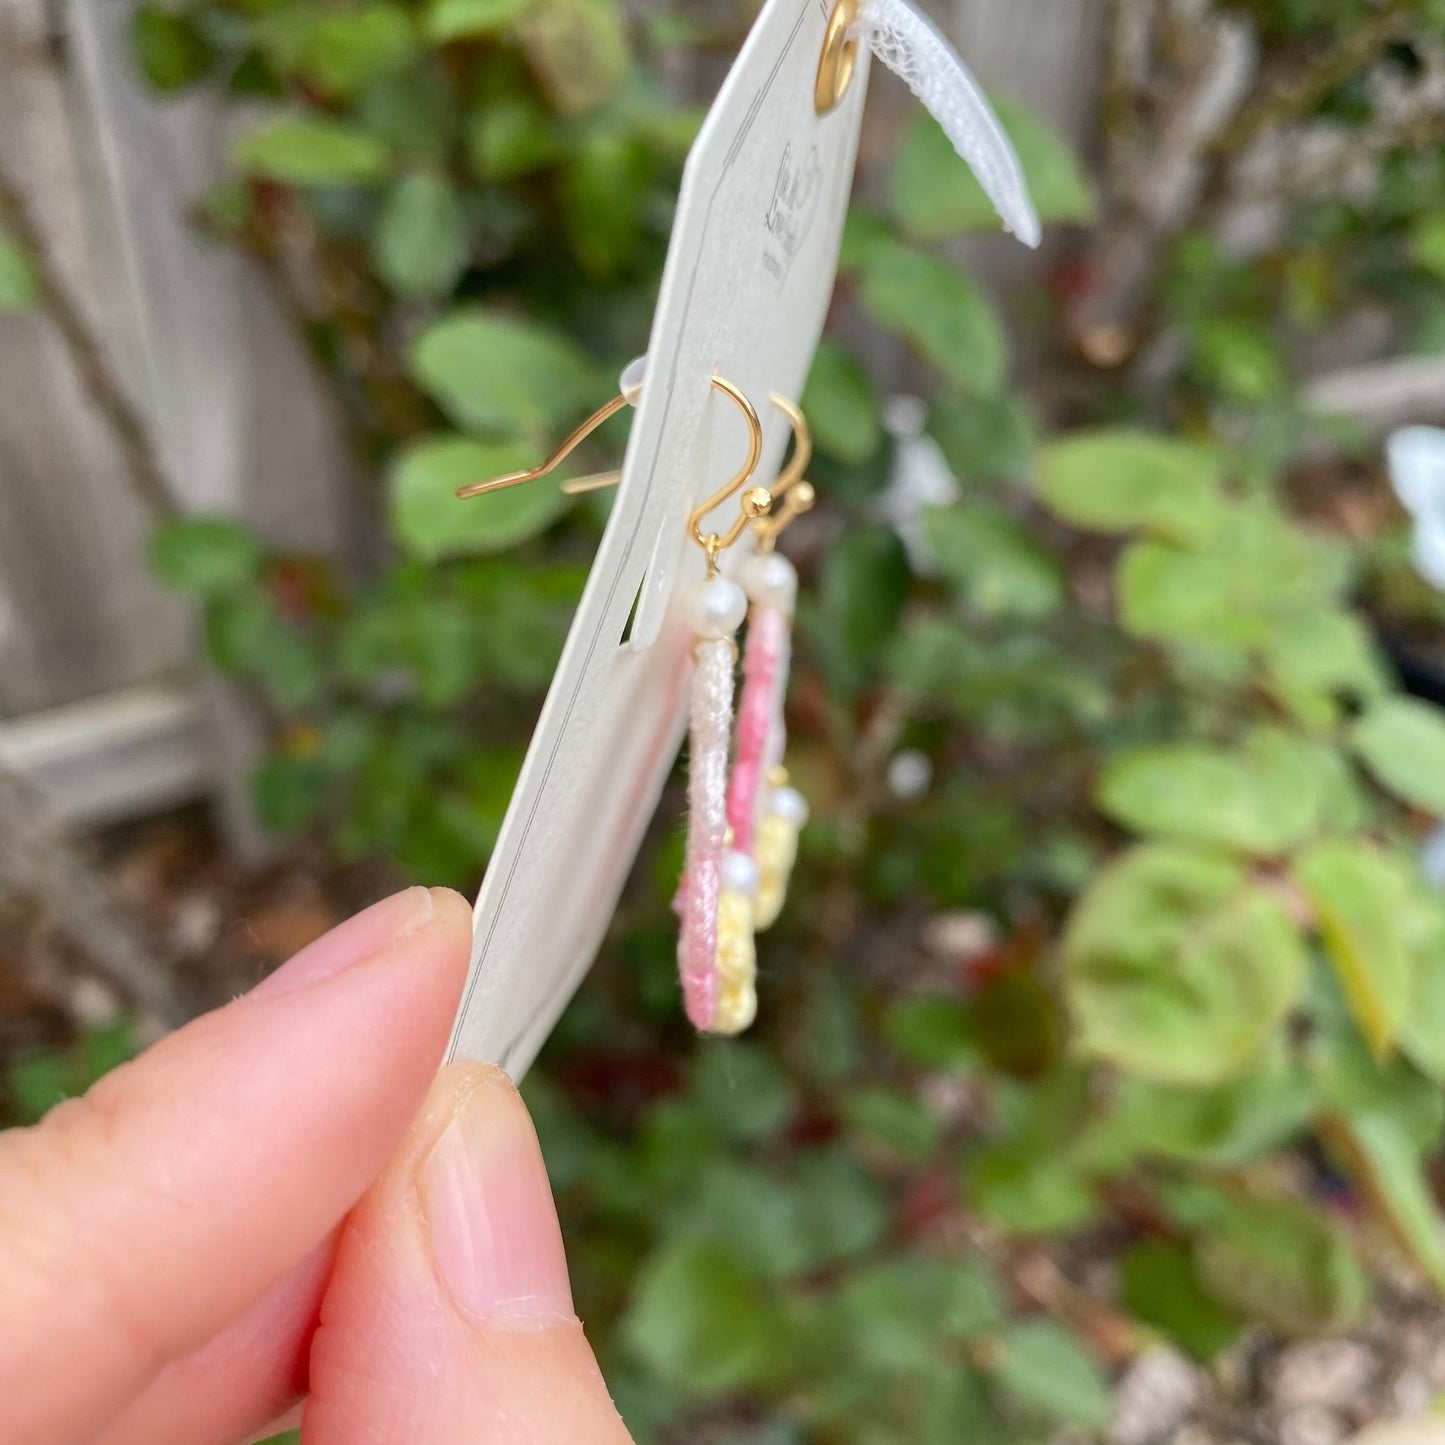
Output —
<point x="757" y="502"/>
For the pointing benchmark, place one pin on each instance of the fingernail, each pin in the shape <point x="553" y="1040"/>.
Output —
<point x="350" y="943"/>
<point x="489" y="1209"/>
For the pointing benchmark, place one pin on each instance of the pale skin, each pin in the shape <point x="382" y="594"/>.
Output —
<point x="282" y="1208"/>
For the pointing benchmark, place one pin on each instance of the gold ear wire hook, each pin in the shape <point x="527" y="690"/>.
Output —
<point x="798" y="495"/>
<point x="532" y="474"/>
<point x="787" y="478"/>
<point x="756" y="501"/>
<point x="792" y="474"/>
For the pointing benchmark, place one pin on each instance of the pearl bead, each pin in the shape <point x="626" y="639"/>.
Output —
<point x="717" y="608"/>
<point x="790" y="805"/>
<point x="771" y="581"/>
<point x="739" y="873"/>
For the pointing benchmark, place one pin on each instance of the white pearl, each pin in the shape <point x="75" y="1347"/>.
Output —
<point x="789" y="805"/>
<point x="739" y="873"/>
<point x="717" y="608"/>
<point x="770" y="580"/>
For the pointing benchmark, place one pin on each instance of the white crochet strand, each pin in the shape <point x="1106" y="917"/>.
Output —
<point x="912" y="47"/>
<point x="707" y="792"/>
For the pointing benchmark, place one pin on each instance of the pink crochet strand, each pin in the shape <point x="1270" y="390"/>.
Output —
<point x="697" y="900"/>
<point x="765" y="663"/>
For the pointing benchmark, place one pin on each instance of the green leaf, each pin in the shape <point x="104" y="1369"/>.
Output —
<point x="700" y="1320"/>
<point x="36" y="1082"/>
<point x="1160" y="1287"/>
<point x="1380" y="1154"/>
<point x="1427" y="243"/>
<point x="954" y="1406"/>
<point x="993" y="563"/>
<point x="1178" y="969"/>
<point x="1282" y="1263"/>
<point x="1325" y="650"/>
<point x="1260" y="802"/>
<point x="1402" y="743"/>
<point x="1240" y="358"/>
<point x="845" y="1211"/>
<point x="458" y="19"/>
<point x="606" y="189"/>
<point x="841" y="405"/>
<point x="171" y="52"/>
<point x="1422" y="1034"/>
<point x="498" y="372"/>
<point x="205" y="556"/>
<point x="933" y="1030"/>
<point x="1226" y="1125"/>
<point x="289" y="792"/>
<point x="19" y="289"/>
<point x="896" y="1314"/>
<point x="939" y="312"/>
<point x="431" y="522"/>
<point x="1257" y="568"/>
<point x="935" y="193"/>
<point x="1044" y="1369"/>
<point x="862" y="589"/>
<point x="309" y="151"/>
<point x="578" y="50"/>
<point x="1347" y="1079"/>
<point x="1027" y="1192"/>
<point x="344" y="53"/>
<point x="742" y="1090"/>
<point x="748" y="1211"/>
<point x="1119" y="479"/>
<point x="1176" y="595"/>
<point x="984" y="438"/>
<point x="417" y="120"/>
<point x="420" y="242"/>
<point x="864" y="237"/>
<point x="513" y="136"/>
<point x="899" y="1120"/>
<point x="1359" y="894"/>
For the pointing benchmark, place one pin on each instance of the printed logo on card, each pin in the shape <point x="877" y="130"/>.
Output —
<point x="794" y="207"/>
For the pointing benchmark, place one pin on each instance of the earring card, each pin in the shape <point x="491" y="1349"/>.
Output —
<point x="745" y="293"/>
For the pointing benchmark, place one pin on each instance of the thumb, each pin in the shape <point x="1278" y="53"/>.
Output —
<point x="448" y="1319"/>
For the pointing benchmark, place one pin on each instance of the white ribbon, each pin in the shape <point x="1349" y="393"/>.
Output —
<point x="912" y="47"/>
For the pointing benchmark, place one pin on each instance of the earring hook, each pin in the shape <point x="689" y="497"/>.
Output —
<point x="626" y="396"/>
<point x="756" y="501"/>
<point x="798" y="494"/>
<point x="797" y="465"/>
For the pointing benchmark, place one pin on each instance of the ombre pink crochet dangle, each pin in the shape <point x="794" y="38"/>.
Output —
<point x="771" y="585"/>
<point x="715" y="612"/>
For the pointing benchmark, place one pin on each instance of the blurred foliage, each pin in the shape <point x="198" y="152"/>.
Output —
<point x="18" y="290"/>
<point x="1176" y="796"/>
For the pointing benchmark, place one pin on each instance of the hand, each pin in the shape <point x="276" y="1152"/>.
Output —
<point x="214" y="1231"/>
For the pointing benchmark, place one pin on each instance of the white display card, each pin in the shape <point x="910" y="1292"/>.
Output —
<point x="745" y="293"/>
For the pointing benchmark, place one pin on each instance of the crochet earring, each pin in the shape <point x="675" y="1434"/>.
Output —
<point x="717" y="982"/>
<point x="718" y="995"/>
<point x="756" y="859"/>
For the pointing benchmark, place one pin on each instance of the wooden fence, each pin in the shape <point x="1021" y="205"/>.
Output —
<point x="99" y="700"/>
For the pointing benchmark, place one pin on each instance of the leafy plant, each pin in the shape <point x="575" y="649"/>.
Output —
<point x="1156" y="925"/>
